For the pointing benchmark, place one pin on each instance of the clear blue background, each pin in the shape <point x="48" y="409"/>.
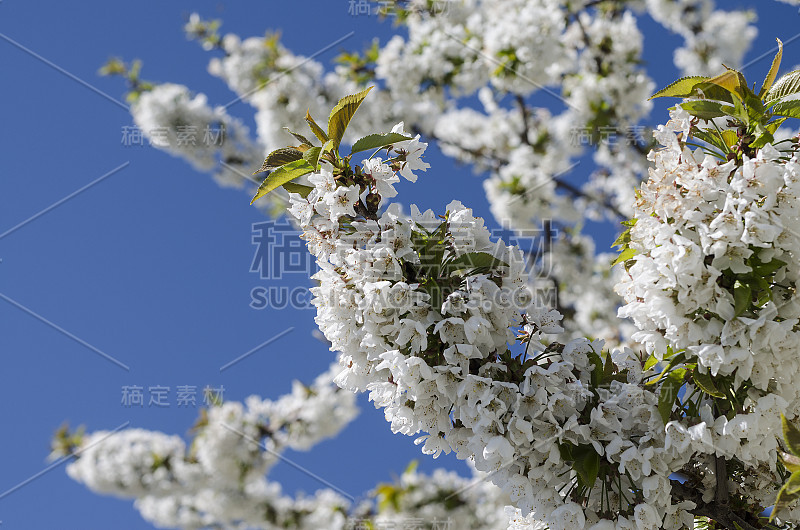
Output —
<point x="151" y="265"/>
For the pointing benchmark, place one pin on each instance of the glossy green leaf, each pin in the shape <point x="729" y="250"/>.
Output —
<point x="565" y="450"/>
<point x="789" y="461"/>
<point x="729" y="137"/>
<point x="327" y="147"/>
<point x="785" y="86"/>
<point x="474" y="260"/>
<point x="341" y="115"/>
<point x="791" y="435"/>
<point x="312" y="155"/>
<point x="732" y="81"/>
<point x="767" y="269"/>
<point x="651" y="362"/>
<point x="623" y="239"/>
<point x="761" y="140"/>
<point x="706" y="383"/>
<point x="673" y="361"/>
<point x="773" y="70"/>
<point x="682" y="88"/>
<point x="282" y="175"/>
<point x="773" y="125"/>
<point x="669" y="392"/>
<point x="762" y="290"/>
<point x="625" y="255"/>
<point x="706" y="90"/>
<point x="608" y="369"/>
<point x="586" y="463"/>
<point x="299" y="137"/>
<point x="293" y="187"/>
<point x="377" y="141"/>
<point x="742" y="297"/>
<point x="790" y="109"/>
<point x="739" y="112"/>
<point x="705" y="109"/>
<point x="788" y="493"/>
<point x="279" y="157"/>
<point x="597" y="369"/>
<point x="321" y="135"/>
<point x="713" y="138"/>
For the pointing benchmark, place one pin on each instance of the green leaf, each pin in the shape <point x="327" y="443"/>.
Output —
<point x="625" y="255"/>
<point x="651" y="362"/>
<point x="565" y="450"/>
<point x="767" y="269"/>
<point x="293" y="187"/>
<point x="482" y="261"/>
<point x="299" y="137"/>
<point x="377" y="141"/>
<point x="773" y="71"/>
<point x="675" y="360"/>
<point x="388" y="496"/>
<point x="790" y="462"/>
<point x="788" y="493"/>
<point x="312" y="155"/>
<point x="732" y="81"/>
<point x="597" y="371"/>
<point x="706" y="90"/>
<point x="706" y="110"/>
<point x="773" y="125"/>
<point x="279" y="157"/>
<point x="729" y="137"/>
<point x="785" y="86"/>
<point x="706" y="384"/>
<point x="430" y="248"/>
<point x="793" y="485"/>
<point x="790" y="109"/>
<point x="586" y="463"/>
<point x="608" y="370"/>
<point x="669" y="392"/>
<point x="763" y="137"/>
<point x="281" y="176"/>
<point x="342" y="113"/>
<point x="435" y="291"/>
<point x="321" y="135"/>
<point x="739" y="111"/>
<point x="713" y="138"/>
<point x="791" y="435"/>
<point x="623" y="239"/>
<point x="762" y="290"/>
<point x="742" y="297"/>
<point x="328" y="147"/>
<point x="682" y="88"/>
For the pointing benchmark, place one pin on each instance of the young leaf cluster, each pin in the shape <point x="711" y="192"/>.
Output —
<point x="753" y="117"/>
<point x="290" y="163"/>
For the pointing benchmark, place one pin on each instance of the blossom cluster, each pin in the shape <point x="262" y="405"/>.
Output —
<point x="714" y="279"/>
<point x="585" y="58"/>
<point x="426" y="328"/>
<point x="442" y="326"/>
<point x="219" y="480"/>
<point x="169" y="108"/>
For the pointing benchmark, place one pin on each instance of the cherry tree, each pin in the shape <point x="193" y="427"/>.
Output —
<point x="667" y="406"/>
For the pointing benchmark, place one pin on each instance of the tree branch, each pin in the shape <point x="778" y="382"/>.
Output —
<point x="720" y="513"/>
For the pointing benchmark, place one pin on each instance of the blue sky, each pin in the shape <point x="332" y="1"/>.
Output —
<point x="150" y="265"/>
